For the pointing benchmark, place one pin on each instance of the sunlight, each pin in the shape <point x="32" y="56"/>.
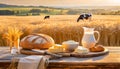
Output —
<point x="114" y="1"/>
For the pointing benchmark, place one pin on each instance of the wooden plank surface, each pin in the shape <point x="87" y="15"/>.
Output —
<point x="114" y="53"/>
<point x="111" y="60"/>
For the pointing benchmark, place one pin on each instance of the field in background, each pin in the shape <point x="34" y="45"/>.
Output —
<point x="64" y="27"/>
<point x="42" y="10"/>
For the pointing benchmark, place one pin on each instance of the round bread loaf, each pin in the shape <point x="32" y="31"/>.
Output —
<point x="37" y="41"/>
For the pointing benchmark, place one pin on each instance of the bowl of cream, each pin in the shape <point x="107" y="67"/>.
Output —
<point x="70" y="45"/>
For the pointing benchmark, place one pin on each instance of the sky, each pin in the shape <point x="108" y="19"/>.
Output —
<point x="63" y="2"/>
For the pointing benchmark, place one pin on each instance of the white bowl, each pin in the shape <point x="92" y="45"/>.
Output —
<point x="70" y="45"/>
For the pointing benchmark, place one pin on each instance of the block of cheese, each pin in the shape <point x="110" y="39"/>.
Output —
<point x="81" y="50"/>
<point x="56" y="49"/>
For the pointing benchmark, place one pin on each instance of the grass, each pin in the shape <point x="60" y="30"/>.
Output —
<point x="64" y="27"/>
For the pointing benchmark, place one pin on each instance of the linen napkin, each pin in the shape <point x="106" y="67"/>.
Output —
<point x="32" y="62"/>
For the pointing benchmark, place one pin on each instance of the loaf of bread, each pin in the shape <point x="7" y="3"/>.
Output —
<point x="37" y="41"/>
<point x="97" y="48"/>
<point x="81" y="50"/>
<point x="56" y="49"/>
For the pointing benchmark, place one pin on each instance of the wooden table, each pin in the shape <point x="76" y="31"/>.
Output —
<point x="109" y="61"/>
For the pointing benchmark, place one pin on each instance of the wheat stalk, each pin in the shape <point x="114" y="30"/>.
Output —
<point x="12" y="36"/>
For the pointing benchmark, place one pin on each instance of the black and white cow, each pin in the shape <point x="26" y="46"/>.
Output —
<point x="84" y="16"/>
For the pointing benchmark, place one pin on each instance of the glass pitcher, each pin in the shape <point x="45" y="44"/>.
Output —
<point x="88" y="39"/>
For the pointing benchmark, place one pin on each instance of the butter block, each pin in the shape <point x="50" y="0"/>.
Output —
<point x="81" y="50"/>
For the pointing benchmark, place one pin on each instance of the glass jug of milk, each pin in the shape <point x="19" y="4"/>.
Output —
<point x="88" y="39"/>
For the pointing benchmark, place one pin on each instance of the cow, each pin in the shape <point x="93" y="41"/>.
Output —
<point x="46" y="17"/>
<point x="84" y="16"/>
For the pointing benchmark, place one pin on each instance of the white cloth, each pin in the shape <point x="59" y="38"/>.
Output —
<point x="32" y="62"/>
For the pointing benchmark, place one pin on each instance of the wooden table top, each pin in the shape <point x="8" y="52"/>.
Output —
<point x="112" y="58"/>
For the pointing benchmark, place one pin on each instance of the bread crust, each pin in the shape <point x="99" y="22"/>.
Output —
<point x="37" y="41"/>
<point x="97" y="48"/>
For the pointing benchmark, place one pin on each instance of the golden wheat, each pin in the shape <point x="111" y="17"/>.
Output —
<point x="65" y="27"/>
<point x="12" y="36"/>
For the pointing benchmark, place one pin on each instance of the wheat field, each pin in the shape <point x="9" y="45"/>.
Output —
<point x="64" y="27"/>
